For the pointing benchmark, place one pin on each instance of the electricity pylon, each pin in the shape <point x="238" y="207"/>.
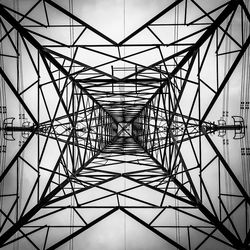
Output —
<point x="143" y="114"/>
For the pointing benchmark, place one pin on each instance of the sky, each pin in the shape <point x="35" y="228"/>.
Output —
<point x="116" y="19"/>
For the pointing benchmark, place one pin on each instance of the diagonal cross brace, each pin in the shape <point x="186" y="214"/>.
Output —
<point x="198" y="204"/>
<point x="45" y="54"/>
<point x="47" y="199"/>
<point x="232" y="5"/>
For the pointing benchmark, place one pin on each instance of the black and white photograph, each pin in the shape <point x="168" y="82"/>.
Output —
<point x="124" y="124"/>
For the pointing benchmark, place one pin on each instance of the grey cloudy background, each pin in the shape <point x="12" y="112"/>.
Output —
<point x="116" y="19"/>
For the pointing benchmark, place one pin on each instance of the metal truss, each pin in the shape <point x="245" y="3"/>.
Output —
<point x="128" y="126"/>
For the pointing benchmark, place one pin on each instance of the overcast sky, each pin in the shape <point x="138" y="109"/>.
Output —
<point x="116" y="19"/>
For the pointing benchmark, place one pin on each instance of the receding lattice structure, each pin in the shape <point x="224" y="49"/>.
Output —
<point x="107" y="127"/>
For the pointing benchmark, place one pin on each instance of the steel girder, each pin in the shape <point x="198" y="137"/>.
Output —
<point x="122" y="120"/>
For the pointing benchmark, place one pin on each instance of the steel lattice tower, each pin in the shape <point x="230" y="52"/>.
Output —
<point x="92" y="127"/>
